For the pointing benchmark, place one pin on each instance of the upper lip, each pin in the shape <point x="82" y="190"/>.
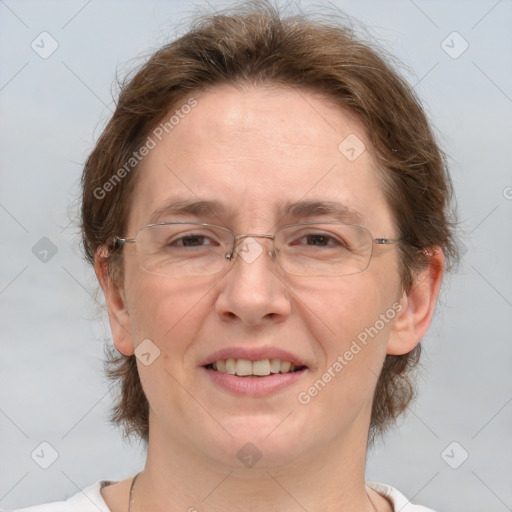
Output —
<point x="252" y="354"/>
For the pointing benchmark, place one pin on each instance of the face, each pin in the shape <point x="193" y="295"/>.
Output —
<point x="253" y="151"/>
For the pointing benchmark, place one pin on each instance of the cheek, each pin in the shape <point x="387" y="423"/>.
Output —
<point x="353" y="358"/>
<point x="168" y="312"/>
<point x="343" y="386"/>
<point x="170" y="315"/>
<point x="352" y="321"/>
<point x="342" y="309"/>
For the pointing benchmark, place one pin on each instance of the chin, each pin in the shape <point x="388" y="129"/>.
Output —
<point x="255" y="442"/>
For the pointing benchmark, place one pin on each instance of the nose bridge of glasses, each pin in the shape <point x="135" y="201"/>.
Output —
<point x="253" y="235"/>
<point x="238" y="247"/>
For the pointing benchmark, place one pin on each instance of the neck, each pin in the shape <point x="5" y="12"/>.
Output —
<point x="177" y="477"/>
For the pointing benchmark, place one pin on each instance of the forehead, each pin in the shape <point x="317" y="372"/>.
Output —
<point x="255" y="152"/>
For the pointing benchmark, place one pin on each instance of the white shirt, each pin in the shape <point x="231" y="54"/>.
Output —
<point x="91" y="500"/>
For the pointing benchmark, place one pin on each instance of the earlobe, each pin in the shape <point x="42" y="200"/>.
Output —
<point x="418" y="304"/>
<point x="118" y="314"/>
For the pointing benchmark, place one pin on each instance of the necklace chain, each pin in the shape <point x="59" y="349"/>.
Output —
<point x="130" y="504"/>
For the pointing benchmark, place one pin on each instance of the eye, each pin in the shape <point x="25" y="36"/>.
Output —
<point x="316" y="239"/>
<point x="192" y="240"/>
<point x="319" y="240"/>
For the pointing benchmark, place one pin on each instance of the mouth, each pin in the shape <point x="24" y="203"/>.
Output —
<point x="254" y="369"/>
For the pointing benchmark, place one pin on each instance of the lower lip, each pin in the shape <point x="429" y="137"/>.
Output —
<point x="254" y="386"/>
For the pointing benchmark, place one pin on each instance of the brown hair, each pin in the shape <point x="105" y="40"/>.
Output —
<point x="254" y="44"/>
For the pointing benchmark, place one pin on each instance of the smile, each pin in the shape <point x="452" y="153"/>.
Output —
<point x="260" y="378"/>
<point x="247" y="368"/>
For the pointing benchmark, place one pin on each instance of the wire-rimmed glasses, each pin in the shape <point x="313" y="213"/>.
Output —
<point x="188" y="249"/>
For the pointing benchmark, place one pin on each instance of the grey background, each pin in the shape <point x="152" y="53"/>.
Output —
<point x="52" y="332"/>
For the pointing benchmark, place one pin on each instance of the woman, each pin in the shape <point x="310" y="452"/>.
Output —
<point x="267" y="213"/>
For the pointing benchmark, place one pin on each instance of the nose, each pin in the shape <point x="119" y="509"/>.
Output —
<point x="253" y="291"/>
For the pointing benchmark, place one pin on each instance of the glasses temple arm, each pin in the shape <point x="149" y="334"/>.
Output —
<point x="117" y="241"/>
<point x="387" y="241"/>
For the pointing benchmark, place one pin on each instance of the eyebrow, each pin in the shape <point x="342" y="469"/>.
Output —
<point x="183" y="207"/>
<point x="294" y="210"/>
<point x="334" y="209"/>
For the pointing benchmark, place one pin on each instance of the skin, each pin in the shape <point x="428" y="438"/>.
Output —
<point x="253" y="149"/>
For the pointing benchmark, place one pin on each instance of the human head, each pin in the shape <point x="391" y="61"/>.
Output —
<point x="257" y="46"/>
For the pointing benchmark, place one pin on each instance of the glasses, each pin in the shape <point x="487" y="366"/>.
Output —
<point x="186" y="249"/>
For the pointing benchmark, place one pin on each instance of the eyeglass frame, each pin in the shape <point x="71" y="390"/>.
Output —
<point x="118" y="241"/>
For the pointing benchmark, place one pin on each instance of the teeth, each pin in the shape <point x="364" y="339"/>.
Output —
<point x="230" y="366"/>
<point x="261" y="367"/>
<point x="275" y="365"/>
<point x="285" y="366"/>
<point x="245" y="367"/>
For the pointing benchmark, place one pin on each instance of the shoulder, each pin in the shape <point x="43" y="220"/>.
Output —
<point x="399" y="501"/>
<point x="87" y="500"/>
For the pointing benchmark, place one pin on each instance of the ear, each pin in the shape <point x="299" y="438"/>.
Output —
<point x="413" y="320"/>
<point x="118" y="313"/>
